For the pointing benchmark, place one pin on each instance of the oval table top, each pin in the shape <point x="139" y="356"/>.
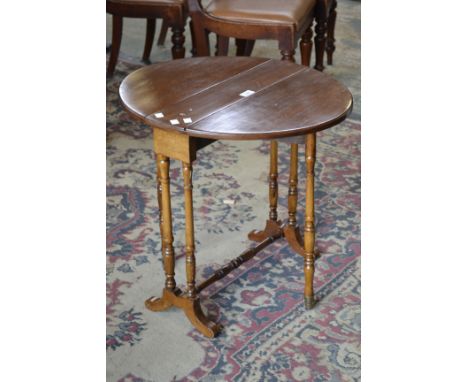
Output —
<point x="237" y="98"/>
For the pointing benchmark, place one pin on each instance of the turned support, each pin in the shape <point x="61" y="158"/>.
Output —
<point x="309" y="230"/>
<point x="272" y="227"/>
<point x="330" y="44"/>
<point x="273" y="181"/>
<point x="288" y="55"/>
<point x="178" y="39"/>
<point x="292" y="191"/>
<point x="320" y="29"/>
<point x="167" y="238"/>
<point x="306" y="46"/>
<point x="190" y="265"/>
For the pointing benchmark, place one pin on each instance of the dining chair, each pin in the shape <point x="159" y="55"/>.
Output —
<point x="250" y="20"/>
<point x="173" y="12"/>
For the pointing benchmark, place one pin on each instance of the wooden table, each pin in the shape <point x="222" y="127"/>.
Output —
<point x="190" y="103"/>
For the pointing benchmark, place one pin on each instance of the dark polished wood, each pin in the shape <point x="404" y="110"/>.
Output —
<point x="299" y="100"/>
<point x="173" y="12"/>
<point x="163" y="32"/>
<point x="150" y="31"/>
<point x="288" y="100"/>
<point x="330" y="45"/>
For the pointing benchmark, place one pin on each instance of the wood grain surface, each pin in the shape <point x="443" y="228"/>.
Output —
<point x="288" y="99"/>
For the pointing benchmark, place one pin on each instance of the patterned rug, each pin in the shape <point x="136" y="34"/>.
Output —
<point x="268" y="335"/>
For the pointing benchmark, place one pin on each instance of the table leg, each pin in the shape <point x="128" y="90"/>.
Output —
<point x="292" y="192"/>
<point x="272" y="225"/>
<point x="159" y="194"/>
<point x="291" y="230"/>
<point x="165" y="226"/>
<point x="190" y="264"/>
<point x="167" y="238"/>
<point x="309" y="230"/>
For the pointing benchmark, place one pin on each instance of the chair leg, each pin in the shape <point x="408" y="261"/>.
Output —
<point x="163" y="33"/>
<point x="222" y="45"/>
<point x="178" y="39"/>
<point x="150" y="29"/>
<point x="240" y="46"/>
<point x="330" y="45"/>
<point x="249" y="45"/>
<point x="200" y="38"/>
<point x="244" y="47"/>
<point x="117" y="24"/>
<point x="306" y="46"/>
<point x="320" y="28"/>
<point x="288" y="55"/>
<point x="194" y="42"/>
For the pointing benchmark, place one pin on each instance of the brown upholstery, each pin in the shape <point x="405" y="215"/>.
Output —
<point x="146" y="2"/>
<point x="260" y="11"/>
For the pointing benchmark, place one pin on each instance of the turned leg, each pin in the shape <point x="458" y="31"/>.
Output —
<point x="272" y="227"/>
<point x="167" y="238"/>
<point x="150" y="29"/>
<point x="291" y="231"/>
<point x="178" y="39"/>
<point x="330" y="45"/>
<point x="292" y="192"/>
<point x="190" y="264"/>
<point x="160" y="205"/>
<point x="309" y="230"/>
<point x="306" y="46"/>
<point x="273" y="184"/>
<point x="163" y="33"/>
<point x="117" y="24"/>
<point x="288" y="55"/>
<point x="320" y="28"/>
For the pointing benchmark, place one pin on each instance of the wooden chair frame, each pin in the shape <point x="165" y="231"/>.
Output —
<point x="175" y="16"/>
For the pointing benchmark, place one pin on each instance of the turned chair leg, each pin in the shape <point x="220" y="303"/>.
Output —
<point x="320" y="28"/>
<point x="150" y="30"/>
<point x="309" y="229"/>
<point x="306" y="46"/>
<point x="178" y="39"/>
<point x="167" y="237"/>
<point x="117" y="24"/>
<point x="330" y="46"/>
<point x="288" y="55"/>
<point x="190" y="265"/>
<point x="163" y="33"/>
